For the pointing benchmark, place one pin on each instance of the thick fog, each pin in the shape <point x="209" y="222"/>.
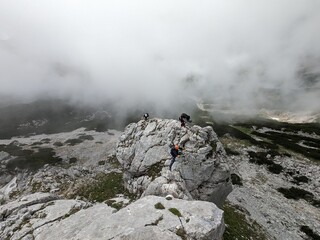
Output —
<point x="239" y="54"/>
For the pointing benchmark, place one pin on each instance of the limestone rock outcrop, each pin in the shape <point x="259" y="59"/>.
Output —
<point x="43" y="216"/>
<point x="143" y="151"/>
<point x="201" y="173"/>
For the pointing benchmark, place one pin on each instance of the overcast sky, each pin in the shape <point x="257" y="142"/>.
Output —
<point x="160" y="51"/>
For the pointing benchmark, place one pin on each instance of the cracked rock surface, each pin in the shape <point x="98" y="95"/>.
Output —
<point x="201" y="172"/>
<point x="34" y="205"/>
<point x="43" y="216"/>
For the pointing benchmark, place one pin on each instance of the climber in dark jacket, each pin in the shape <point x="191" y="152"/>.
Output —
<point x="174" y="153"/>
<point x="146" y="116"/>
<point x="184" y="118"/>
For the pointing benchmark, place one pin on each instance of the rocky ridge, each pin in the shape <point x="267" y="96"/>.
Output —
<point x="45" y="216"/>
<point x="201" y="173"/>
<point x="34" y="204"/>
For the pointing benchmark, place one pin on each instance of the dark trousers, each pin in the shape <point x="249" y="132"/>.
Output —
<point x="172" y="162"/>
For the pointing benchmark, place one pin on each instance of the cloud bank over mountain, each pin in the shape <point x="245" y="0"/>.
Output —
<point x="238" y="53"/>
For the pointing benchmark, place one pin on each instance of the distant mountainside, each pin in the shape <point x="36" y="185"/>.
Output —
<point x="52" y="116"/>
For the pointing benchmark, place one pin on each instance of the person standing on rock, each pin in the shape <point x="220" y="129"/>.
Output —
<point x="174" y="153"/>
<point x="146" y="116"/>
<point x="184" y="118"/>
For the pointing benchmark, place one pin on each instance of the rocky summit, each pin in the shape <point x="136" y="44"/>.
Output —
<point x="200" y="173"/>
<point x="112" y="185"/>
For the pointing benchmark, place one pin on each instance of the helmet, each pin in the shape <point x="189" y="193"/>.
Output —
<point x="176" y="146"/>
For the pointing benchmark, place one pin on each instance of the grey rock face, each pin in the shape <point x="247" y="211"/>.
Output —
<point x="279" y="216"/>
<point x="140" y="220"/>
<point x="20" y="219"/>
<point x="42" y="216"/>
<point x="201" y="173"/>
<point x="9" y="188"/>
<point x="94" y="155"/>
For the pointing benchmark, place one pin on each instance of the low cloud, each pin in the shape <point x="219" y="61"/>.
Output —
<point x="240" y="54"/>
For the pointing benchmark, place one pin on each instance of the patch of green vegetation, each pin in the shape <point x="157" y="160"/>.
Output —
<point x="182" y="233"/>
<point x="154" y="171"/>
<point x="114" y="161"/>
<point x="300" y="179"/>
<point x="261" y="158"/>
<point x="156" y="222"/>
<point x="159" y="206"/>
<point x="71" y="212"/>
<point x="275" y="168"/>
<point x="213" y="150"/>
<point x="239" y="227"/>
<point x="43" y="215"/>
<point x="236" y="180"/>
<point x="175" y="212"/>
<point x="72" y="142"/>
<point x="58" y="144"/>
<point x="316" y="203"/>
<point x="104" y="187"/>
<point x="13" y="149"/>
<point x="230" y="151"/>
<point x="310" y="233"/>
<point x="115" y="204"/>
<point x="213" y="145"/>
<point x="86" y="137"/>
<point x="30" y="160"/>
<point x="298" y="193"/>
<point x="100" y="163"/>
<point x="14" y="194"/>
<point x="73" y="160"/>
<point x="35" y="187"/>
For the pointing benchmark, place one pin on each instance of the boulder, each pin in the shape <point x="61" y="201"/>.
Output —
<point x="8" y="189"/>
